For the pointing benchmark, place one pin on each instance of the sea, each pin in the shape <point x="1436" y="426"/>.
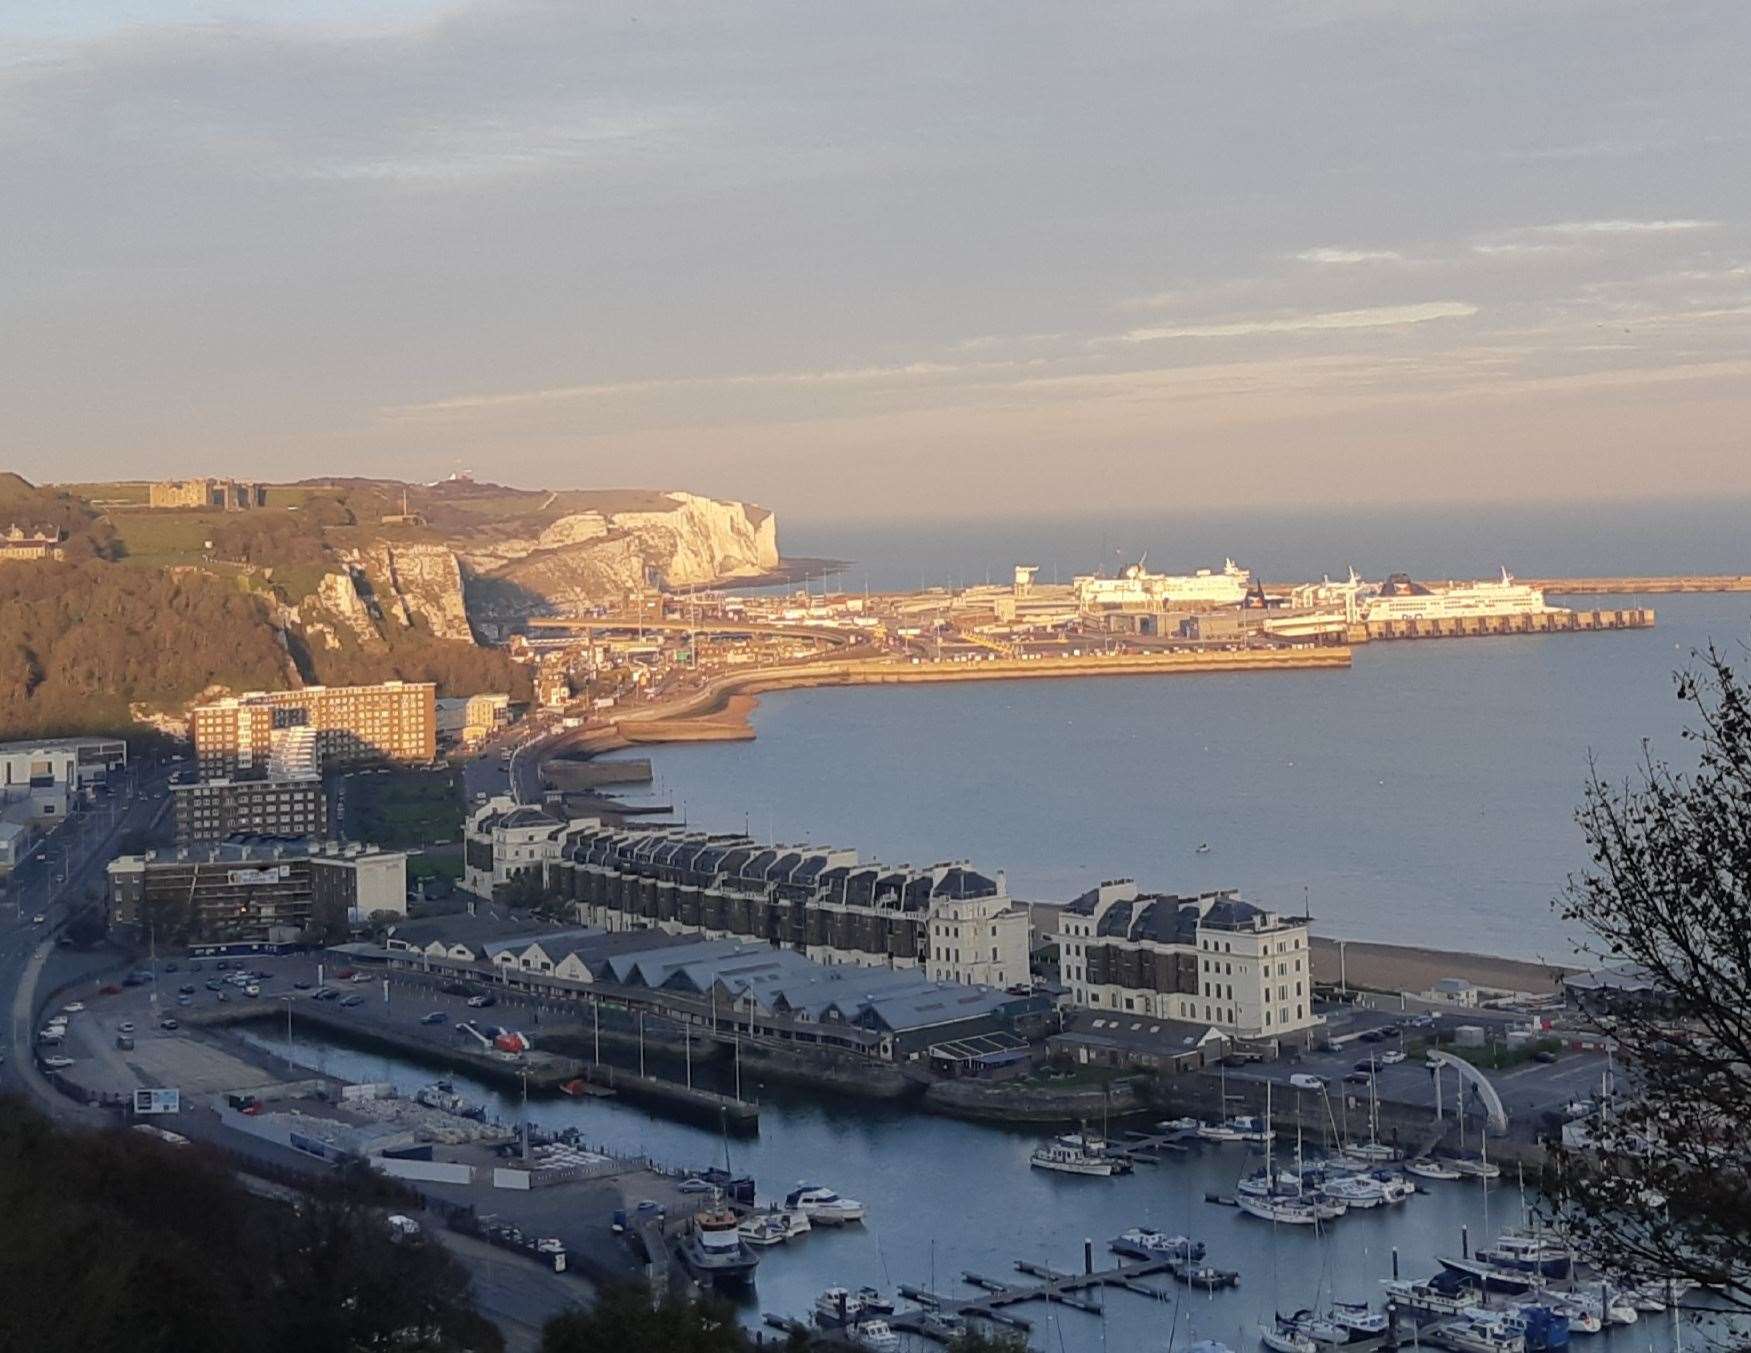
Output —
<point x="1426" y="796"/>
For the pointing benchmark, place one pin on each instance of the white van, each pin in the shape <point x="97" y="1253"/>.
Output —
<point x="1302" y="1081"/>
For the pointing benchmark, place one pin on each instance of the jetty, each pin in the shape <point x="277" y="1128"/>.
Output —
<point x="940" y="1316"/>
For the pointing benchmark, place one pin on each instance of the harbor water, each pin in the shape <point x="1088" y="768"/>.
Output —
<point x="1425" y="796"/>
<point x="946" y="1197"/>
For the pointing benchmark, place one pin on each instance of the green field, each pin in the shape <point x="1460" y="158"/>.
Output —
<point x="403" y="808"/>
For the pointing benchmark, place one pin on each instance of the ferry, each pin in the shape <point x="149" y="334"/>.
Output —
<point x="1137" y="587"/>
<point x="1398" y="598"/>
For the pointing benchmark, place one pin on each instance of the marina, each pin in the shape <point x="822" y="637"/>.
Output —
<point x="942" y="1199"/>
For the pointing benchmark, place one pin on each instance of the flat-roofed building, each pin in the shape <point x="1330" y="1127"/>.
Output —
<point x="213" y="810"/>
<point x="247" y="891"/>
<point x="393" y="722"/>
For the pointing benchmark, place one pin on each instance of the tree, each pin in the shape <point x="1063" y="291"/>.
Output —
<point x="623" y="1321"/>
<point x="1666" y="1193"/>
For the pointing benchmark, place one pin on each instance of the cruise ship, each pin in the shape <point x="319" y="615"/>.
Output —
<point x="1398" y="598"/>
<point x="1137" y="587"/>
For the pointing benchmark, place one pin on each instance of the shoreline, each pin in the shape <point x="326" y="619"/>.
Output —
<point x="1375" y="966"/>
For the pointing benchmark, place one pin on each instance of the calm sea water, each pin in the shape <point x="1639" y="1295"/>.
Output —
<point x="1426" y="796"/>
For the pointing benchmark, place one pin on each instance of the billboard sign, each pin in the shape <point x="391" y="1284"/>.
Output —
<point x="275" y="874"/>
<point x="157" y="1101"/>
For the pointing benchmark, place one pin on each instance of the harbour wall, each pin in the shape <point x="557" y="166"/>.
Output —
<point x="1480" y="626"/>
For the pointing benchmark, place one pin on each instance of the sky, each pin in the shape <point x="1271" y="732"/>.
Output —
<point x="948" y="258"/>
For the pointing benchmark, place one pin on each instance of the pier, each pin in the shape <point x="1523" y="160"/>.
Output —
<point x="1480" y="626"/>
<point x="939" y="1316"/>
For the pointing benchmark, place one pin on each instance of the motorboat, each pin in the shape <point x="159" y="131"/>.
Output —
<point x="1099" y="1147"/>
<point x="1395" y="1187"/>
<point x="1475" y="1330"/>
<point x="1432" y="1169"/>
<point x="1360" y="1319"/>
<point x="874" y="1303"/>
<point x="1543" y="1328"/>
<point x="1355" y="1190"/>
<point x="1069" y="1160"/>
<point x="840" y="1307"/>
<point x="1542" y="1255"/>
<point x="1244" y="1128"/>
<point x="1372" y="1152"/>
<point x="1611" y="1307"/>
<point x="713" y="1249"/>
<point x="875" y="1335"/>
<point x="764" y="1228"/>
<point x="1205" y="1277"/>
<point x="1445" y="1294"/>
<point x="1582" y="1318"/>
<point x="822" y="1206"/>
<point x="1142" y="1244"/>
<point x="1291" y="1211"/>
<point x="1179" y="1125"/>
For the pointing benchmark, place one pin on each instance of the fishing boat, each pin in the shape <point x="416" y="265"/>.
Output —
<point x="713" y="1249"/>
<point x="822" y="1206"/>
<point x="1427" y="1168"/>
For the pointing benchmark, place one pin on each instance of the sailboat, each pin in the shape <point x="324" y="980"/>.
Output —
<point x="1482" y="1167"/>
<point x="1271" y="1206"/>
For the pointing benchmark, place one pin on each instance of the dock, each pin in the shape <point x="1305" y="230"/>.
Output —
<point x="939" y="1316"/>
<point x="1480" y="626"/>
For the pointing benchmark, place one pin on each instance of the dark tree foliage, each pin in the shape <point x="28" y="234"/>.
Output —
<point x="1669" y="889"/>
<point x="78" y="642"/>
<point x="623" y="1321"/>
<point x="116" y="1241"/>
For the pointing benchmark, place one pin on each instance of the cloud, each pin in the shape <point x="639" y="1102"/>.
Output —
<point x="1377" y="317"/>
<point x="1619" y="227"/>
<point x="837" y="376"/>
<point x="1510" y="248"/>
<point x="1348" y="256"/>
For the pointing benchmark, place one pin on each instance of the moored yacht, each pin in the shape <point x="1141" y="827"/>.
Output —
<point x="822" y="1206"/>
<point x="1529" y="1254"/>
<point x="1138" y="1243"/>
<point x="764" y="1228"/>
<point x="1361" y="1320"/>
<point x="1244" y="1128"/>
<point x="1290" y="1211"/>
<point x="1285" y="1338"/>
<point x="1428" y="1168"/>
<point x="1475" y="1330"/>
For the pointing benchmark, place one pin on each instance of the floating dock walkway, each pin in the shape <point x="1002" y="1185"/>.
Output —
<point x="940" y="1316"/>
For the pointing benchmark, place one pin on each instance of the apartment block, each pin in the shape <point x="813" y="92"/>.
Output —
<point x="214" y="810"/>
<point x="227" y="893"/>
<point x="949" y="919"/>
<point x="1212" y="959"/>
<point x="394" y="722"/>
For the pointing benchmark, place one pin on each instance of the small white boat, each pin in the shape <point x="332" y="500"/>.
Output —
<point x="764" y="1228"/>
<point x="1241" y="1129"/>
<point x="1372" y="1153"/>
<point x="1355" y="1190"/>
<point x="1361" y="1320"/>
<point x="1274" y="1336"/>
<point x="1069" y="1160"/>
<point x="1432" y="1169"/>
<point x="822" y="1206"/>
<point x="875" y="1335"/>
<point x="1477" y="1168"/>
<point x="1291" y="1211"/>
<point x="1395" y="1187"/>
<point x="1478" y="1331"/>
<point x="1179" y="1125"/>
<point x="837" y="1307"/>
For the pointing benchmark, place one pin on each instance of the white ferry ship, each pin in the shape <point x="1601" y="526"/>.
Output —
<point x="1137" y="587"/>
<point x="1398" y="598"/>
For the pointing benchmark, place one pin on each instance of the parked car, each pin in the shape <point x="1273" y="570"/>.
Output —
<point x="215" y="985"/>
<point x="170" y="966"/>
<point x="1391" y="1058"/>
<point x="302" y="984"/>
<point x="354" y="999"/>
<point x="72" y="1007"/>
<point x="186" y="989"/>
<point x="1365" y="1066"/>
<point x="1544" y="1055"/>
<point x="167" y="1024"/>
<point x="125" y="1042"/>
<point x="456" y="989"/>
<point x="252" y="990"/>
<point x="483" y="1000"/>
<point x="1374" y="1036"/>
<point x="109" y="989"/>
<point x="436" y="1017"/>
<point x="1358" y="1078"/>
<point x="125" y="1027"/>
<point x="185" y="1000"/>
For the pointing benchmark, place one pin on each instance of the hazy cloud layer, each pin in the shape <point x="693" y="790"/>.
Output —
<point x="847" y="259"/>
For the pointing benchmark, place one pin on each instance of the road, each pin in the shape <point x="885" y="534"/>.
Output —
<point x="61" y="869"/>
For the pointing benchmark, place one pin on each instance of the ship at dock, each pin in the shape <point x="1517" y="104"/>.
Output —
<point x="1136" y="587"/>
<point x="1400" y="598"/>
